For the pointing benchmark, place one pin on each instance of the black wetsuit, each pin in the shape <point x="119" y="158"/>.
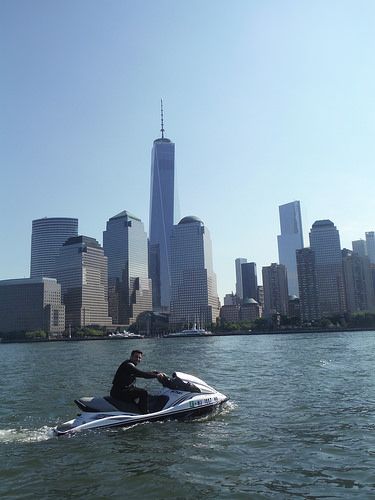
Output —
<point x="123" y="385"/>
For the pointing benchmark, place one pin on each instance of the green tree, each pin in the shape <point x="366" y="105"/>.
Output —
<point x="36" y="334"/>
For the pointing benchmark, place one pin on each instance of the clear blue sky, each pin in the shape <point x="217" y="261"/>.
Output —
<point x="266" y="101"/>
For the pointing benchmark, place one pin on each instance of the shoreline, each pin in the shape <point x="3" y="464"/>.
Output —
<point x="234" y="333"/>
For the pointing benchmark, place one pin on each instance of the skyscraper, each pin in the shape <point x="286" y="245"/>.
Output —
<point x="275" y="287"/>
<point x="161" y="219"/>
<point x="239" y="289"/>
<point x="249" y="280"/>
<point x="129" y="287"/>
<point x="82" y="272"/>
<point x="370" y="246"/>
<point x="325" y="242"/>
<point x="359" y="247"/>
<point x="290" y="240"/>
<point x="359" y="289"/>
<point x="193" y="293"/>
<point x="31" y="304"/>
<point x="308" y="290"/>
<point x="47" y="238"/>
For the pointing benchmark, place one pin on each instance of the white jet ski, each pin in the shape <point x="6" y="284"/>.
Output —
<point x="182" y="396"/>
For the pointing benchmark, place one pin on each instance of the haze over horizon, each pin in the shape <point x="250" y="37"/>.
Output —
<point x="267" y="102"/>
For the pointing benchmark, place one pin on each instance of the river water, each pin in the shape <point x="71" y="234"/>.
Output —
<point x="300" y="422"/>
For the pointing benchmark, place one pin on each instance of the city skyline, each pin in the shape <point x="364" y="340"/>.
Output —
<point x="80" y="102"/>
<point x="237" y="262"/>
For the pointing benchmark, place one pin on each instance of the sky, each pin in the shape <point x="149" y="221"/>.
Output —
<point x="267" y="102"/>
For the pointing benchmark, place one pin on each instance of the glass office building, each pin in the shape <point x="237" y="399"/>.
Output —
<point x="30" y="304"/>
<point x="47" y="237"/>
<point x="162" y="202"/>
<point x="129" y="287"/>
<point x="239" y="286"/>
<point x="194" y="296"/>
<point x="249" y="280"/>
<point x="82" y="272"/>
<point x="359" y="247"/>
<point x="325" y="242"/>
<point x="290" y="240"/>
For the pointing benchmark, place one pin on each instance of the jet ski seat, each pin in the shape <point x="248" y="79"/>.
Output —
<point x="105" y="404"/>
<point x="155" y="403"/>
<point x="109" y="404"/>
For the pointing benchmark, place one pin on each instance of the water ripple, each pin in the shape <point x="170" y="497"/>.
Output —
<point x="299" y="423"/>
<point x="22" y="435"/>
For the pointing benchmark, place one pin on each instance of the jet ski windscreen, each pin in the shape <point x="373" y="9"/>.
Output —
<point x="177" y="384"/>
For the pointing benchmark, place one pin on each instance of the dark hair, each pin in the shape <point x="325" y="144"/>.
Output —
<point x="135" y="352"/>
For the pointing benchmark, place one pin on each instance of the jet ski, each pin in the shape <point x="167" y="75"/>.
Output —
<point x="181" y="396"/>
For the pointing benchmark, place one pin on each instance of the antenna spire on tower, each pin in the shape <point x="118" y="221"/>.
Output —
<point x="162" y="119"/>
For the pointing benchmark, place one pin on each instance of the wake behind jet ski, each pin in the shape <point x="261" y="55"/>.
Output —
<point x="182" y="396"/>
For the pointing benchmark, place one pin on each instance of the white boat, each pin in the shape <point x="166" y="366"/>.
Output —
<point x="130" y="335"/>
<point x="190" y="332"/>
<point x="125" y="335"/>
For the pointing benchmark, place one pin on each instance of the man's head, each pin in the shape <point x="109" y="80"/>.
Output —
<point x="136" y="356"/>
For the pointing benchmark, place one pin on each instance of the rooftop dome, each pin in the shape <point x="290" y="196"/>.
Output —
<point x="250" y="301"/>
<point x="189" y="219"/>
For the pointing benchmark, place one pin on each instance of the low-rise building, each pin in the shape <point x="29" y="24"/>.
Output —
<point x="31" y="304"/>
<point x="230" y="313"/>
<point x="250" y="310"/>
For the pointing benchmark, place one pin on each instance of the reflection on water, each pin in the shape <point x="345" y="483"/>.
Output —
<point x="300" y="421"/>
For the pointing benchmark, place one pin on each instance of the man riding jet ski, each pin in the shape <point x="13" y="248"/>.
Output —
<point x="123" y="385"/>
<point x="182" y="396"/>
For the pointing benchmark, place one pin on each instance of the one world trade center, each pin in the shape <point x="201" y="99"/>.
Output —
<point x="161" y="219"/>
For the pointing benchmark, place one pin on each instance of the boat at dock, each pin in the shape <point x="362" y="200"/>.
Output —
<point x="190" y="332"/>
<point x="125" y="335"/>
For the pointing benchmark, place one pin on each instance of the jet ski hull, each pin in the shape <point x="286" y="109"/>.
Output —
<point x="180" y="405"/>
<point x="96" y="420"/>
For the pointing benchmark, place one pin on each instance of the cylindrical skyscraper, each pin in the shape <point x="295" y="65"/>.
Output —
<point x="47" y="238"/>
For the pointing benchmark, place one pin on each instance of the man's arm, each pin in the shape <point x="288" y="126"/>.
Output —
<point x="141" y="374"/>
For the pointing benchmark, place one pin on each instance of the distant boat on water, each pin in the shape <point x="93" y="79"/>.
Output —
<point x="125" y="335"/>
<point x="190" y="332"/>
